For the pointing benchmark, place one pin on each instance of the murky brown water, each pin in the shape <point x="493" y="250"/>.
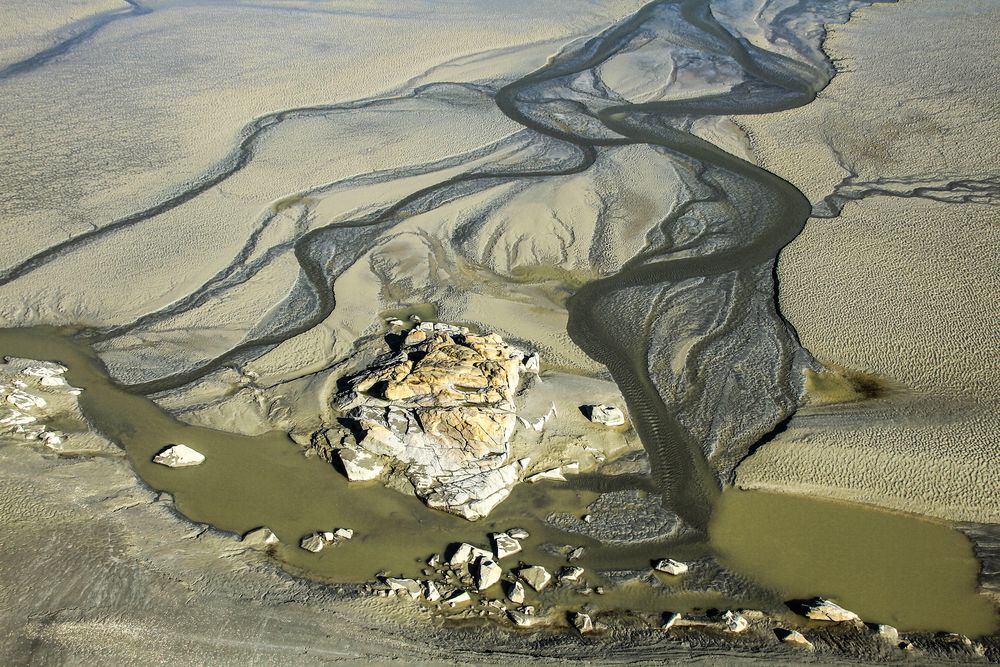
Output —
<point x="888" y="567"/>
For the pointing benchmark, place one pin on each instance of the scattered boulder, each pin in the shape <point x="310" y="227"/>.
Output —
<point x="440" y="407"/>
<point x="260" y="538"/>
<point x="486" y="572"/>
<point x="670" y="566"/>
<point x="409" y="587"/>
<point x="886" y="632"/>
<point x="670" y="618"/>
<point x="608" y="415"/>
<point x="343" y="534"/>
<point x="535" y="576"/>
<point x="582" y="622"/>
<point x="570" y="573"/>
<point x="458" y="598"/>
<point x="465" y="553"/>
<point x="504" y="545"/>
<point x="514" y="590"/>
<point x="734" y="622"/>
<point x="179" y="456"/>
<point x="518" y="533"/>
<point x="520" y="619"/>
<point x="431" y="592"/>
<point x="314" y="542"/>
<point x="823" y="610"/>
<point x="794" y="637"/>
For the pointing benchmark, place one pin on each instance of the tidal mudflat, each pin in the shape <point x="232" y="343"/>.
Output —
<point x="482" y="349"/>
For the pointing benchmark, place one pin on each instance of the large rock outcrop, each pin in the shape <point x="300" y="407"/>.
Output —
<point x="439" y="408"/>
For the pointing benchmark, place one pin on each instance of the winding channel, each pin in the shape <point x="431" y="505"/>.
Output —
<point x="773" y="84"/>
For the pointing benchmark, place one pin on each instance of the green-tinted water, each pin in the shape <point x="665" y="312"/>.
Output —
<point x="888" y="567"/>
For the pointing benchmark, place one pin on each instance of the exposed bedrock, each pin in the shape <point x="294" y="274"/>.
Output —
<point x="440" y="406"/>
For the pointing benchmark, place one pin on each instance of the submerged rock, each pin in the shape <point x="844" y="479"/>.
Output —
<point x="608" y="415"/>
<point x="179" y="456"/>
<point x="670" y="566"/>
<point x="442" y="406"/>
<point x="824" y="610"/>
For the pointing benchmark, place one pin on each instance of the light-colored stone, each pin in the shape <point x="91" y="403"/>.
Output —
<point x="582" y="622"/>
<point x="409" y="587"/>
<point x="671" y="566"/>
<point x="431" y="592"/>
<point x="519" y="533"/>
<point x="514" y="590"/>
<point x="504" y="545"/>
<point x="343" y="534"/>
<point x="669" y="620"/>
<point x="824" y="610"/>
<point x="179" y="456"/>
<point x="314" y="542"/>
<point x="486" y="572"/>
<point x="522" y="620"/>
<point x="570" y="573"/>
<point x="535" y="576"/>
<point x="734" y="622"/>
<point x="886" y="632"/>
<point x="359" y="465"/>
<point x="465" y="553"/>
<point x="459" y="598"/>
<point x="259" y="538"/>
<point x="441" y="410"/>
<point x="551" y="474"/>
<point x="608" y="415"/>
<point x="796" y="638"/>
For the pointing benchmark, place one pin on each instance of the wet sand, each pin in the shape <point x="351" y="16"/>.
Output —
<point x="578" y="210"/>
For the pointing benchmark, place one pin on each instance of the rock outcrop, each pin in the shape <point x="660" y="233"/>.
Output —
<point x="439" y="407"/>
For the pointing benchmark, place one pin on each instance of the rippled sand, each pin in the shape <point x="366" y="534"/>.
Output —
<point x="896" y="273"/>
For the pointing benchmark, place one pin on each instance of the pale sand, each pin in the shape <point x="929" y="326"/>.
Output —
<point x="37" y="26"/>
<point x="99" y="137"/>
<point x="903" y="288"/>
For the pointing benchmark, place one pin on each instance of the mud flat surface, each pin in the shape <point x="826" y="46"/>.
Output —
<point x="576" y="183"/>
<point x="895" y="273"/>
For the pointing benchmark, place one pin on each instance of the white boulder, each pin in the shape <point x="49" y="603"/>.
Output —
<point x="535" y="576"/>
<point x="824" y="610"/>
<point x="179" y="456"/>
<point x="734" y="622"/>
<point x="504" y="545"/>
<point x="486" y="572"/>
<point x="359" y="465"/>
<point x="608" y="415"/>
<point x="670" y="566"/>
